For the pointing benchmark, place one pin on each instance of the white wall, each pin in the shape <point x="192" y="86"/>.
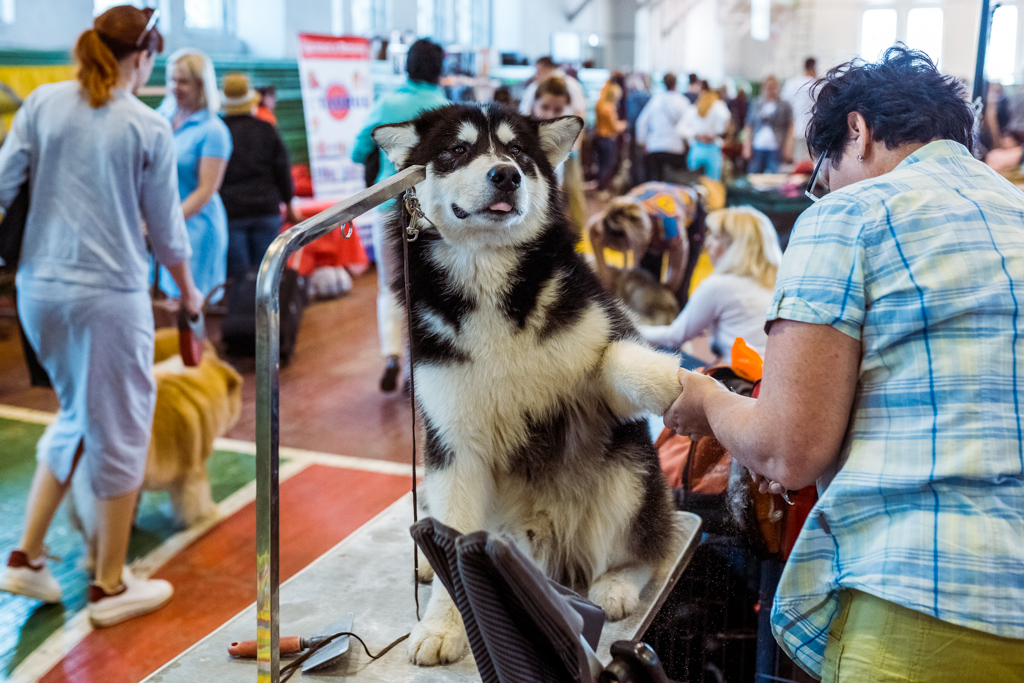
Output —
<point x="55" y="29"/>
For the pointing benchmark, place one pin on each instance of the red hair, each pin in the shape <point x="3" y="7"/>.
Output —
<point x="116" y="34"/>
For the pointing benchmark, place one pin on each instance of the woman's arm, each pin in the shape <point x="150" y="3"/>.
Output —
<point x="794" y="430"/>
<point x="15" y="157"/>
<point x="191" y="298"/>
<point x="211" y="175"/>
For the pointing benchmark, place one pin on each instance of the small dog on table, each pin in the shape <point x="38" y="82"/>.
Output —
<point x="194" y="406"/>
<point x="531" y="380"/>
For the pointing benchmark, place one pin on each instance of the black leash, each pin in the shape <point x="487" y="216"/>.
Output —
<point x="411" y="215"/>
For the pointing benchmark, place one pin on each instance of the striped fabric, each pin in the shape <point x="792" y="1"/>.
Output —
<point x="925" y="266"/>
<point x="666" y="204"/>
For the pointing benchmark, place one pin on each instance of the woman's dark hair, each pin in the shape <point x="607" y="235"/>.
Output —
<point x="903" y="98"/>
<point x="425" y="61"/>
<point x="115" y="34"/>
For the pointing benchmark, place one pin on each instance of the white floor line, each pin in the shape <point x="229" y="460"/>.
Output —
<point x="60" y="643"/>
<point x="316" y="457"/>
<point x="249" y="448"/>
<point x="27" y="415"/>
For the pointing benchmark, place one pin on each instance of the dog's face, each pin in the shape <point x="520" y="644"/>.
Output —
<point x="490" y="171"/>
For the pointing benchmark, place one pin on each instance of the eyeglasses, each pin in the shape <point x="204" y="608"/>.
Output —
<point x="154" y="15"/>
<point x="817" y="187"/>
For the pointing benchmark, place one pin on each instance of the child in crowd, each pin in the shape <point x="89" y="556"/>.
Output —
<point x="552" y="99"/>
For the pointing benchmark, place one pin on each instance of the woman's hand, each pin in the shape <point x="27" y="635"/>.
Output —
<point x="192" y="299"/>
<point x="686" y="416"/>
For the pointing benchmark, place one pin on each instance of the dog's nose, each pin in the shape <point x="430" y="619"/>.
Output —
<point x="506" y="178"/>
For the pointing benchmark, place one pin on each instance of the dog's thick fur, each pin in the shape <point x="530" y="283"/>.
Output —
<point x="530" y="378"/>
<point x="648" y="300"/>
<point x="193" y="407"/>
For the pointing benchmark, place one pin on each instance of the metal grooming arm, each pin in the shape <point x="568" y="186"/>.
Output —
<point x="268" y="343"/>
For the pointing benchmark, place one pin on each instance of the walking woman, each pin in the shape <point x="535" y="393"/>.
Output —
<point x="100" y="164"/>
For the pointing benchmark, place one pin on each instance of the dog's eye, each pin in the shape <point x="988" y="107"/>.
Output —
<point x="516" y="150"/>
<point x="459" y="149"/>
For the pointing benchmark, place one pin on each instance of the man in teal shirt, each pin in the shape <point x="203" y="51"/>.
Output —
<point x="421" y="92"/>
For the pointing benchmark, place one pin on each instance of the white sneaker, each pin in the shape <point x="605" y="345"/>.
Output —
<point x="134" y="598"/>
<point x="21" y="577"/>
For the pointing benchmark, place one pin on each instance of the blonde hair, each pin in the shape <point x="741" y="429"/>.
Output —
<point x="626" y="226"/>
<point x="611" y="92"/>
<point x="753" y="245"/>
<point x="705" y="101"/>
<point x="200" y="69"/>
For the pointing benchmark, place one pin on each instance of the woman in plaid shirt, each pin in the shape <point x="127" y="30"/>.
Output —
<point x="892" y="378"/>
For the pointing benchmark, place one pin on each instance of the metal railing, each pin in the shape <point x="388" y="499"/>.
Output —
<point x="268" y="355"/>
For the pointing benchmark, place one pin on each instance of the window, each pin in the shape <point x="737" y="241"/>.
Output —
<point x="98" y="6"/>
<point x="204" y="14"/>
<point x="924" y="31"/>
<point x="760" y="19"/>
<point x="337" y="21"/>
<point x="877" y="32"/>
<point x="1001" y="58"/>
<point x="371" y="17"/>
<point x="425" y="18"/>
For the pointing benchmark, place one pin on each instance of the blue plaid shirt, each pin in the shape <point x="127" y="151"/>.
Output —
<point x="925" y="507"/>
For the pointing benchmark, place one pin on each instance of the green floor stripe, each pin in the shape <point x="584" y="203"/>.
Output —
<point x="24" y="623"/>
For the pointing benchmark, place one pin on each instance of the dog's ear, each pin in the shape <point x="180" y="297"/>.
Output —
<point x="397" y="140"/>
<point x="557" y="137"/>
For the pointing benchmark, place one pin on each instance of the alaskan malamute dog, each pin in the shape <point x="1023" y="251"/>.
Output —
<point x="530" y="378"/>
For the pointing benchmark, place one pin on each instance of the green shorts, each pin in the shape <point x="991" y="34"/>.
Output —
<point x="877" y="641"/>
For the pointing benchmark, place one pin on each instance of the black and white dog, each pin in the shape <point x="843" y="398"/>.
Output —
<point x="530" y="378"/>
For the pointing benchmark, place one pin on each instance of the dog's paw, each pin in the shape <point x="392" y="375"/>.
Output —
<point x="424" y="572"/>
<point x="616" y="594"/>
<point x="438" y="641"/>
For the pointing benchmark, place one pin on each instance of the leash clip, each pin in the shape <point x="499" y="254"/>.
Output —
<point x="412" y="207"/>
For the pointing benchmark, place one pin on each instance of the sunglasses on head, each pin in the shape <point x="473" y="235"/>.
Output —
<point x="154" y="14"/>
<point x="816" y="186"/>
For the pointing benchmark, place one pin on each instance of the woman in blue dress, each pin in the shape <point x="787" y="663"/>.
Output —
<point x="203" y="146"/>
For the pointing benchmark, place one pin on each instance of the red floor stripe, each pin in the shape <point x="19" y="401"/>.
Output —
<point x="215" y="577"/>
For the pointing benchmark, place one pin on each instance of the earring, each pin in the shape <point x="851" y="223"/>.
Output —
<point x="860" y="158"/>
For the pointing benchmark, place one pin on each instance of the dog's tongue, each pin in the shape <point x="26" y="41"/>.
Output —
<point x="501" y="206"/>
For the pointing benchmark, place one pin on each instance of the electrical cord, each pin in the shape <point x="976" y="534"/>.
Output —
<point x="293" y="666"/>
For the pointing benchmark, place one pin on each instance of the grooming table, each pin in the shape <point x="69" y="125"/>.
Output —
<point x="370" y="574"/>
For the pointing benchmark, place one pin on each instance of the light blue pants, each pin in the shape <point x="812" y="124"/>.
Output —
<point x="708" y="156"/>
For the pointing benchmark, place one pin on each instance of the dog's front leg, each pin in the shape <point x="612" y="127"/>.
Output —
<point x="459" y="492"/>
<point x="637" y="379"/>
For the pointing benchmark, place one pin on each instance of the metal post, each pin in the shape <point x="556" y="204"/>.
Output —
<point x="268" y="341"/>
<point x="979" y="67"/>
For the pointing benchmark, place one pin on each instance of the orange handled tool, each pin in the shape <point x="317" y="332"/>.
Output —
<point x="290" y="645"/>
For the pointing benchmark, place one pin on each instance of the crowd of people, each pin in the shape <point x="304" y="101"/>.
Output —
<point x="702" y="130"/>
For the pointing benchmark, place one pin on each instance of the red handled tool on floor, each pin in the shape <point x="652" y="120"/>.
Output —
<point x="191" y="337"/>
<point x="318" y="651"/>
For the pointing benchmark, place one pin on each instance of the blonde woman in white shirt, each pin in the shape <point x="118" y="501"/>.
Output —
<point x="732" y="301"/>
<point x="704" y="125"/>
